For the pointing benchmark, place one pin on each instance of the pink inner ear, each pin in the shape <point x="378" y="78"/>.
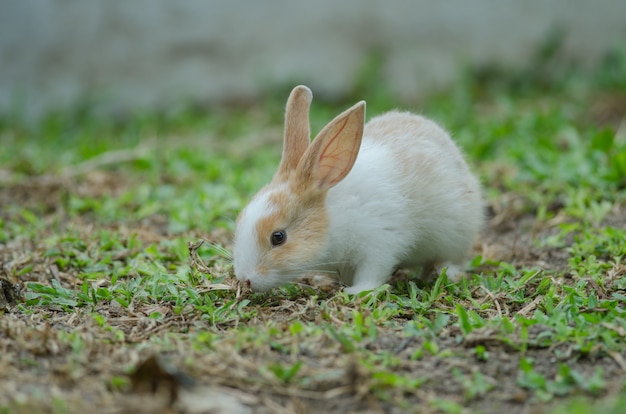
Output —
<point x="339" y="153"/>
<point x="332" y="153"/>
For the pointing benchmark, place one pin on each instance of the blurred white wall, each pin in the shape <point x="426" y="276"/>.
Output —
<point x="143" y="54"/>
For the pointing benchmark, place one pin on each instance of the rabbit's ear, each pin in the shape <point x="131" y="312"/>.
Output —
<point x="297" y="131"/>
<point x="333" y="152"/>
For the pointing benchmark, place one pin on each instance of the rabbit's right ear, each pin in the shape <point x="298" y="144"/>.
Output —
<point x="333" y="152"/>
<point x="297" y="132"/>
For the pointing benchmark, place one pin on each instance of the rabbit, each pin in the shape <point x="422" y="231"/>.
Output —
<point x="358" y="202"/>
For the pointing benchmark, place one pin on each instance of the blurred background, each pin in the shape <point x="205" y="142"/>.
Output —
<point x="146" y="55"/>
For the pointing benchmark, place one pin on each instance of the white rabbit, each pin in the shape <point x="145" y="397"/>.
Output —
<point x="359" y="202"/>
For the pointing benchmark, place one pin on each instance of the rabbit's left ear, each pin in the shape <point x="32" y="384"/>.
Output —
<point x="297" y="131"/>
<point x="333" y="152"/>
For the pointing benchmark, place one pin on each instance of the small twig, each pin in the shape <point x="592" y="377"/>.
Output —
<point x="142" y="336"/>
<point x="487" y="337"/>
<point x="619" y="360"/>
<point x="495" y="300"/>
<point x="209" y="287"/>
<point x="55" y="272"/>
<point x="530" y="307"/>
<point x="195" y="260"/>
<point x="597" y="288"/>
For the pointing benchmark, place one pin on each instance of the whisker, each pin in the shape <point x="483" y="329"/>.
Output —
<point x="293" y="275"/>
<point x="316" y="266"/>
<point x="330" y="264"/>
<point x="329" y="272"/>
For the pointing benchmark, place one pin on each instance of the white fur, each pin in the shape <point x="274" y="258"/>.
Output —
<point x="381" y="218"/>
<point x="247" y="254"/>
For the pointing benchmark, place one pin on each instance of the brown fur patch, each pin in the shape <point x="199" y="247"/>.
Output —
<point x="280" y="202"/>
<point x="279" y="198"/>
<point x="303" y="217"/>
<point x="306" y="238"/>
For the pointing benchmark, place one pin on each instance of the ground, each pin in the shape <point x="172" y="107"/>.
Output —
<point x="112" y="303"/>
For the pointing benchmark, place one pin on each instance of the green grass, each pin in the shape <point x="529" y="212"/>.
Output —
<point x="101" y="248"/>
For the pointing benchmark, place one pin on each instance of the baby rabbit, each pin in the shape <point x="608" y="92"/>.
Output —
<point x="359" y="202"/>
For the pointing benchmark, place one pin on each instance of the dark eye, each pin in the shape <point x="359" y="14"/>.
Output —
<point x="278" y="238"/>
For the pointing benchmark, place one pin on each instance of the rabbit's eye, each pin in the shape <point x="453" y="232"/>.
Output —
<point x="278" y="238"/>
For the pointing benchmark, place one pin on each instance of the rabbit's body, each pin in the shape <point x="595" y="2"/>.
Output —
<point x="396" y="204"/>
<point x="409" y="200"/>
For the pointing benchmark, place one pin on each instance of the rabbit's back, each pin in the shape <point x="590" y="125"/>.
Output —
<point x="412" y="178"/>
